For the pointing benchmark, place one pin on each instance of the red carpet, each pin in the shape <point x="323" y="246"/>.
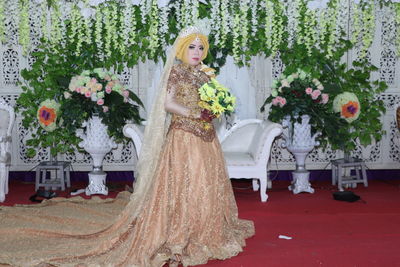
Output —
<point x="325" y="232"/>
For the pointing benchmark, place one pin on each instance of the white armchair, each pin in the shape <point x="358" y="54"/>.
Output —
<point x="7" y="118"/>
<point x="247" y="147"/>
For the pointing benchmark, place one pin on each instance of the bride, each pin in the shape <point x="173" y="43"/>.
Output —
<point x="182" y="209"/>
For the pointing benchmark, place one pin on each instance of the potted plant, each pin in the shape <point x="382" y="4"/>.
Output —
<point x="53" y="112"/>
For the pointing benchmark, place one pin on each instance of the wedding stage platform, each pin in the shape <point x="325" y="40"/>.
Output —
<point x="324" y="232"/>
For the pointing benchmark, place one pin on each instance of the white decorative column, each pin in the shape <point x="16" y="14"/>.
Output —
<point x="299" y="142"/>
<point x="97" y="143"/>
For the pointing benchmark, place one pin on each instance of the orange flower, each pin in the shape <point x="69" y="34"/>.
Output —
<point x="350" y="109"/>
<point x="47" y="115"/>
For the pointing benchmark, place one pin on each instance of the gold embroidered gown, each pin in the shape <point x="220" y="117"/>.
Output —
<point x="191" y="210"/>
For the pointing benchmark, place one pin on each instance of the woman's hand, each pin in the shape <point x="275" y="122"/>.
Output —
<point x="206" y="115"/>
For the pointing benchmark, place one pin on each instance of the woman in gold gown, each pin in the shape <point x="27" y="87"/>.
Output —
<point x="181" y="211"/>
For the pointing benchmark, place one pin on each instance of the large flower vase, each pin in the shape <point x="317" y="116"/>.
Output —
<point x="97" y="143"/>
<point x="299" y="142"/>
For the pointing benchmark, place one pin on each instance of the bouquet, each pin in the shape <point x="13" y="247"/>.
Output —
<point x="300" y="94"/>
<point x="99" y="92"/>
<point x="216" y="98"/>
<point x="95" y="86"/>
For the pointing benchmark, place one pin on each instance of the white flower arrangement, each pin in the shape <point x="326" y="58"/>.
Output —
<point x="397" y="10"/>
<point x="356" y="23"/>
<point x="126" y="21"/>
<point x="236" y="34"/>
<point x="153" y="31"/>
<point x="2" y="27"/>
<point x="368" y="21"/>
<point x="332" y="29"/>
<point x="254" y="17"/>
<point x="270" y="14"/>
<point x="224" y="21"/>
<point x="23" y="25"/>
<point x="215" y="20"/>
<point x="56" y="33"/>
<point x="163" y="27"/>
<point x="43" y="21"/>
<point x="194" y="8"/>
<point x="310" y="30"/>
<point x="244" y="10"/>
<point x="98" y="26"/>
<point x="108" y="31"/>
<point x="321" y="18"/>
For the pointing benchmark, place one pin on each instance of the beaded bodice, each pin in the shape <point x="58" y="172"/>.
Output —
<point x="185" y="80"/>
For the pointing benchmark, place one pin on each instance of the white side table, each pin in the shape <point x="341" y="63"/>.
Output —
<point x="44" y="177"/>
<point x="339" y="168"/>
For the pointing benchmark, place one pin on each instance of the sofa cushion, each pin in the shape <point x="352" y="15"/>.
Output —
<point x="239" y="159"/>
<point x="240" y="140"/>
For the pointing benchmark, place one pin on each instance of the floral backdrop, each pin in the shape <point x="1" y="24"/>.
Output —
<point x="151" y="33"/>
<point x="125" y="28"/>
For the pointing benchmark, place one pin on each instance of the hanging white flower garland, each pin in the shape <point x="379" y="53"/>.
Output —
<point x="397" y="10"/>
<point x="236" y="19"/>
<point x="153" y="31"/>
<point x="24" y="26"/>
<point x="56" y="33"/>
<point x="2" y="18"/>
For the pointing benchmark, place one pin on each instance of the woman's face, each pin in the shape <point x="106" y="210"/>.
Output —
<point x="194" y="52"/>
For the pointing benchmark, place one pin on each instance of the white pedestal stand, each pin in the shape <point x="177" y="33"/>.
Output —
<point x="299" y="142"/>
<point x="97" y="143"/>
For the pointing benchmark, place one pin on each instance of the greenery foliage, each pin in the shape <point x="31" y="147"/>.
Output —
<point x="119" y="35"/>
<point x="337" y="77"/>
<point x="49" y="78"/>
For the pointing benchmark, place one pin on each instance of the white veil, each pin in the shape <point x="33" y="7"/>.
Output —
<point x="154" y="136"/>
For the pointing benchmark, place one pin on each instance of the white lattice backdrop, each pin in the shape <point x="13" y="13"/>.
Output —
<point x="252" y="85"/>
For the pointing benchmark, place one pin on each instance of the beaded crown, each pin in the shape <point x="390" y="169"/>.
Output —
<point x="200" y="27"/>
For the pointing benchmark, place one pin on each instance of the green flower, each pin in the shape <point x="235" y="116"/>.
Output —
<point x="85" y="73"/>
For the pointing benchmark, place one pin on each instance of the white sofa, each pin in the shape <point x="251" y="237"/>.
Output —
<point x="246" y="146"/>
<point x="7" y="118"/>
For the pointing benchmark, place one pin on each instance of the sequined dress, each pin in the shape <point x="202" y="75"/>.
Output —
<point x="191" y="210"/>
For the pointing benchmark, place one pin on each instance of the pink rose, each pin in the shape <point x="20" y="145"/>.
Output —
<point x="78" y="89"/>
<point x="108" y="89"/>
<point x="308" y="90"/>
<point x="105" y="108"/>
<point x="282" y="101"/>
<point x="275" y="101"/>
<point x="88" y="93"/>
<point x="125" y="93"/>
<point x="100" y="101"/>
<point x="315" y="94"/>
<point x="325" y="98"/>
